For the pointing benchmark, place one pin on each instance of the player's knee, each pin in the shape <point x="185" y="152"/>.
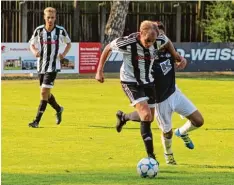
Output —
<point x="44" y="95"/>
<point x="198" y="121"/>
<point x="144" y="112"/>
<point x="168" y="135"/>
<point x="146" y="116"/>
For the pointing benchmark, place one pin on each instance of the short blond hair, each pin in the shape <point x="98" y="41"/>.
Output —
<point x="147" y="26"/>
<point x="50" y="10"/>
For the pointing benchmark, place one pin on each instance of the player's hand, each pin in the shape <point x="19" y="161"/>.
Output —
<point x="61" y="56"/>
<point x="99" y="76"/>
<point x="181" y="64"/>
<point x="37" y="54"/>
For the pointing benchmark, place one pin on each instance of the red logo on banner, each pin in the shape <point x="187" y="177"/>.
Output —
<point x="4" y="49"/>
<point x="89" y="54"/>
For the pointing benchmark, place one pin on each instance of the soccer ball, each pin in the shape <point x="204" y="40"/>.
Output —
<point x="147" y="167"/>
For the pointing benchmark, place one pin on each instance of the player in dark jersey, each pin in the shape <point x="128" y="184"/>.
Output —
<point x="44" y="44"/>
<point x="169" y="99"/>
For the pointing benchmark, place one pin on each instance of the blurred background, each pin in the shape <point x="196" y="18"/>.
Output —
<point x="202" y="31"/>
<point x="85" y="21"/>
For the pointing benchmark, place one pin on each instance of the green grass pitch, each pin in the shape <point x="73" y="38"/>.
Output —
<point x="86" y="149"/>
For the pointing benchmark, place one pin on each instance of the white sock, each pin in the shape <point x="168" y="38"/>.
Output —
<point x="166" y="145"/>
<point x="187" y="127"/>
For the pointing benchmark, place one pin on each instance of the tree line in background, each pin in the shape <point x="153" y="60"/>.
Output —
<point x="102" y="21"/>
<point x="219" y="24"/>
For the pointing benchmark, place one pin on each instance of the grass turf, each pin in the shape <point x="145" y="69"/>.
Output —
<point x="86" y="150"/>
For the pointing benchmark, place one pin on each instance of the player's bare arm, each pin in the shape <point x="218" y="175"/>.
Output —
<point x="99" y="75"/>
<point x="180" y="61"/>
<point x="66" y="50"/>
<point x="34" y="50"/>
<point x="170" y="47"/>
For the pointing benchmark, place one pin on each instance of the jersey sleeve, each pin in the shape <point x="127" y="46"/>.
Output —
<point x="161" y="41"/>
<point x="65" y="37"/>
<point x="120" y="44"/>
<point x="35" y="37"/>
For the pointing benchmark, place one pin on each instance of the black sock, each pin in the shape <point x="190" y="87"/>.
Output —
<point x="147" y="137"/>
<point x="41" y="110"/>
<point x="133" y="116"/>
<point x="53" y="103"/>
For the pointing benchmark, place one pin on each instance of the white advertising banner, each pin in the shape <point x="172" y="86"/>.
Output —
<point x="17" y="58"/>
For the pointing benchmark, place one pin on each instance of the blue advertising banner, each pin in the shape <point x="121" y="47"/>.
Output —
<point x="202" y="57"/>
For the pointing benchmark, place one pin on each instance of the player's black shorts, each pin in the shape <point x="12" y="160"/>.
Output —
<point x="47" y="80"/>
<point x="138" y="93"/>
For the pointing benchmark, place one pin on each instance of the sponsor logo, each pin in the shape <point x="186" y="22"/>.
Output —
<point x="166" y="66"/>
<point x="144" y="58"/>
<point x="49" y="42"/>
<point x="4" y="49"/>
<point x="211" y="54"/>
<point x="89" y="49"/>
<point x="208" y="54"/>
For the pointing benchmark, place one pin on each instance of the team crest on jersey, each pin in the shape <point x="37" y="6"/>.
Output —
<point x="55" y="37"/>
<point x="166" y="66"/>
<point x="146" y="53"/>
<point x="168" y="55"/>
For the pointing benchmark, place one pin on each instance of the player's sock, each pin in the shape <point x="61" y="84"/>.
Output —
<point x="133" y="116"/>
<point x="166" y="145"/>
<point x="187" y="127"/>
<point x="41" y="110"/>
<point x="147" y="137"/>
<point x="53" y="103"/>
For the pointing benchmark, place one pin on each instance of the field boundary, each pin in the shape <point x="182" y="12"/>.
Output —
<point x="216" y="74"/>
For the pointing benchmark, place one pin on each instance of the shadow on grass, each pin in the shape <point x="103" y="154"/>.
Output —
<point x="108" y="127"/>
<point x="174" y="176"/>
<point x="137" y="128"/>
<point x="208" y="166"/>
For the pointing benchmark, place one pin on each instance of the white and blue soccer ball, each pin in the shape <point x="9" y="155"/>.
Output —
<point x="147" y="167"/>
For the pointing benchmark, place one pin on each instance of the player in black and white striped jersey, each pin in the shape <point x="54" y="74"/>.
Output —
<point x="48" y="47"/>
<point x="45" y="44"/>
<point x="135" y="74"/>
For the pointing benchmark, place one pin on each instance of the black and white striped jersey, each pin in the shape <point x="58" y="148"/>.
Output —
<point x="48" y="44"/>
<point x="137" y="60"/>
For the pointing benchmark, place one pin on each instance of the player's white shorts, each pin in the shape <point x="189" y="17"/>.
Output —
<point x="177" y="102"/>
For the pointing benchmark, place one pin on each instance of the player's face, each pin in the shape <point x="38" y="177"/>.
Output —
<point x="50" y="18"/>
<point x="148" y="39"/>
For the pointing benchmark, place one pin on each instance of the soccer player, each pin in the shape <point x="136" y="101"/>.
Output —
<point x="169" y="99"/>
<point x="45" y="44"/>
<point x="136" y="78"/>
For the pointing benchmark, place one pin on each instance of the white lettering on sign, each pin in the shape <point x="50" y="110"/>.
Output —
<point x="211" y="54"/>
<point x="181" y="52"/>
<point x="225" y="54"/>
<point x="217" y="54"/>
<point x="198" y="54"/>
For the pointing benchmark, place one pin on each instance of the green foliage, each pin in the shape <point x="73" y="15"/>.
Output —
<point x="219" y="25"/>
